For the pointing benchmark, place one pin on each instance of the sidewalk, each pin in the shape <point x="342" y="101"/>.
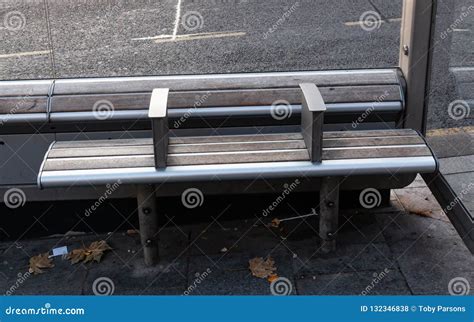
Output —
<point x="408" y="248"/>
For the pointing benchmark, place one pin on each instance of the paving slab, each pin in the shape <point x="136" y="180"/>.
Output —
<point x="457" y="164"/>
<point x="463" y="186"/>
<point x="15" y="279"/>
<point x="421" y="202"/>
<point x="429" y="252"/>
<point x="229" y="274"/>
<point x="233" y="236"/>
<point x="169" y="276"/>
<point x="389" y="282"/>
<point x="347" y="258"/>
<point x="429" y="265"/>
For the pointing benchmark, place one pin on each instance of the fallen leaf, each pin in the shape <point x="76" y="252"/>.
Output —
<point x="39" y="262"/>
<point x="262" y="268"/>
<point x="94" y="252"/>
<point x="132" y="232"/>
<point x="275" y="223"/>
<point x="272" y="277"/>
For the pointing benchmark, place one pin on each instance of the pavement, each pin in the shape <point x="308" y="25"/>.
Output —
<point x="455" y="151"/>
<point x="409" y="247"/>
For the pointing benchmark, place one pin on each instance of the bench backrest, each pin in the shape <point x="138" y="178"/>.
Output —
<point x="347" y="94"/>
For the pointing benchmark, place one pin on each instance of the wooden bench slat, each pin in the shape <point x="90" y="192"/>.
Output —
<point x="228" y="81"/>
<point x="182" y="140"/>
<point x="235" y="138"/>
<point x="382" y="134"/>
<point x="242" y="97"/>
<point x="26" y="104"/>
<point x="174" y="149"/>
<point x="368" y="133"/>
<point x="146" y="147"/>
<point x="128" y="160"/>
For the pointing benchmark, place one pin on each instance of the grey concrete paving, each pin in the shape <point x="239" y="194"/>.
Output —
<point x="455" y="150"/>
<point x="388" y="251"/>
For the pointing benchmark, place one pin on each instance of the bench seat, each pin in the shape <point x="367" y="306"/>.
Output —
<point x="79" y="163"/>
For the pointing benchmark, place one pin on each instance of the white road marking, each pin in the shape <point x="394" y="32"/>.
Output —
<point x="175" y="37"/>
<point x="461" y="30"/>
<point x="177" y="19"/>
<point x="27" y="53"/>
<point x="358" y="23"/>
<point x="205" y="35"/>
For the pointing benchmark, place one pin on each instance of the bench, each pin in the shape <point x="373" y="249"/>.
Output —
<point x="35" y="113"/>
<point x="310" y="152"/>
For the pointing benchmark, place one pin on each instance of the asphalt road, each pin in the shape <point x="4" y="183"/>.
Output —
<point x="108" y="38"/>
<point x="99" y="38"/>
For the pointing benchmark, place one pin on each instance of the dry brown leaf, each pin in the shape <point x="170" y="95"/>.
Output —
<point x="94" y="252"/>
<point x="275" y="223"/>
<point x="132" y="232"/>
<point x="37" y="263"/>
<point x="272" y="277"/>
<point x="262" y="268"/>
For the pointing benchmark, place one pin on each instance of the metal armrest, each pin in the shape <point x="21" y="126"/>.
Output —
<point x="158" y="113"/>
<point x="312" y="120"/>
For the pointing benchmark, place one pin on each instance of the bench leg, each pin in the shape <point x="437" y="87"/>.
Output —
<point x="329" y="213"/>
<point x="148" y="220"/>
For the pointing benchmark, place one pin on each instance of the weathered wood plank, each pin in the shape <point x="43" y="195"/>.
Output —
<point x="225" y="81"/>
<point x="102" y="143"/>
<point x="376" y="152"/>
<point x="183" y="140"/>
<point x="369" y="133"/>
<point x="235" y="138"/>
<point x="372" y="141"/>
<point x="175" y="149"/>
<point x="25" y="104"/>
<point x="127" y="161"/>
<point x="142" y="149"/>
<point x="176" y="159"/>
<point x="213" y="98"/>
<point x="331" y="139"/>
